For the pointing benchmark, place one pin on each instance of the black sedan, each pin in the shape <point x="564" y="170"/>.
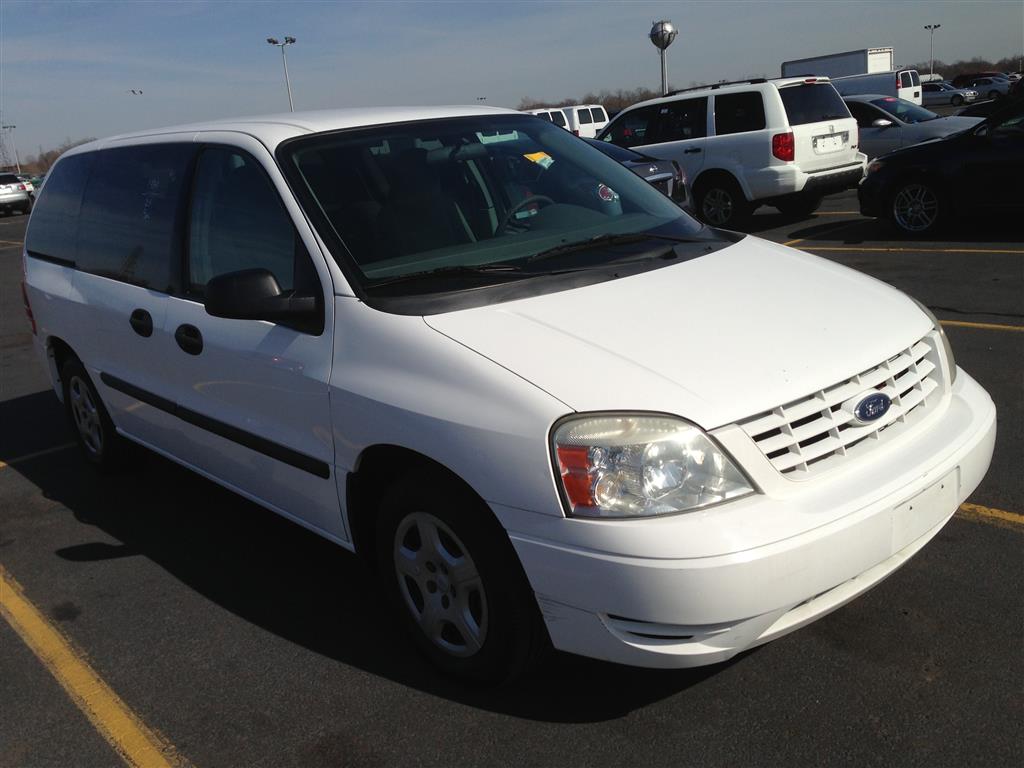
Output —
<point x="665" y="175"/>
<point x="976" y="172"/>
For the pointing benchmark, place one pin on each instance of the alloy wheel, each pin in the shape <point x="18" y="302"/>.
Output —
<point x="717" y="206"/>
<point x="440" y="584"/>
<point x="915" y="207"/>
<point x="86" y="415"/>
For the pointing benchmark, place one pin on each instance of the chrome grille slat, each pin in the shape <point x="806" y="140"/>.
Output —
<point x="812" y="434"/>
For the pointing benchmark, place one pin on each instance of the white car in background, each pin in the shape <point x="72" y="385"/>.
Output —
<point x="552" y="115"/>
<point x="544" y="401"/>
<point x="585" y="120"/>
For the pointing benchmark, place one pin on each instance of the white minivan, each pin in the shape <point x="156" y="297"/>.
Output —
<point x="547" y="405"/>
<point x="784" y="143"/>
<point x="553" y="115"/>
<point x="585" y="120"/>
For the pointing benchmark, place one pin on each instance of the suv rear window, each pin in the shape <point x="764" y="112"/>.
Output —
<point x="584" y="116"/>
<point x="9" y="178"/>
<point x="738" y="113"/>
<point x="812" y="103"/>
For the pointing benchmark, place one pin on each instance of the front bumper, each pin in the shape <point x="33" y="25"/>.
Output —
<point x="663" y="611"/>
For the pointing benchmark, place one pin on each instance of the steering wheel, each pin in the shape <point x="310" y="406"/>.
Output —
<point x="542" y="199"/>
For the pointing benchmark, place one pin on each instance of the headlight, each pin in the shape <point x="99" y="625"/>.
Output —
<point x="874" y="166"/>
<point x="942" y="335"/>
<point x="631" y="465"/>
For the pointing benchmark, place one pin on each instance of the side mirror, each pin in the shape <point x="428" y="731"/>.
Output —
<point x="881" y="123"/>
<point x="253" y="294"/>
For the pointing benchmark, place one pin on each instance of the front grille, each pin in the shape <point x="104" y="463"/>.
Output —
<point x="815" y="433"/>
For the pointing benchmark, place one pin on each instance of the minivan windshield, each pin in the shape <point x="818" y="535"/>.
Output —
<point x="493" y="195"/>
<point x="904" y="110"/>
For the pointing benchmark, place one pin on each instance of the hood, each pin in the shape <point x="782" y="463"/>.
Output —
<point x="944" y="126"/>
<point x="713" y="340"/>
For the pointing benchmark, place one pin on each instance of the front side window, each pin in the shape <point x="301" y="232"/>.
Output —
<point x="495" y="200"/>
<point x="237" y="221"/>
<point x="53" y="228"/>
<point x="864" y="114"/>
<point x="739" y="113"/>
<point x="682" y="120"/>
<point x="638" y="126"/>
<point x="131" y="214"/>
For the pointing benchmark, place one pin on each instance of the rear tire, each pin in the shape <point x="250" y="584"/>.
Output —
<point x="95" y="432"/>
<point x="721" y="203"/>
<point x="799" y="205"/>
<point x="26" y="209"/>
<point x="454" y="579"/>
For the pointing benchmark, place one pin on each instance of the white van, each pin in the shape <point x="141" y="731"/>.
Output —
<point x="553" y="115"/>
<point x="586" y="120"/>
<point x="784" y="143"/>
<point x="903" y="84"/>
<point x="544" y="402"/>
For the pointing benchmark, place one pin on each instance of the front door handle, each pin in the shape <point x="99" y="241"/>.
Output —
<point x="692" y="151"/>
<point x="141" y="322"/>
<point x="189" y="339"/>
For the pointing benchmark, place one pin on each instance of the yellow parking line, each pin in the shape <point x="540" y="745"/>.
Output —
<point x="983" y="326"/>
<point x="12" y="242"/>
<point x="126" y="733"/>
<point x="999" y="517"/>
<point x="911" y="250"/>
<point x="36" y="455"/>
<point x="837" y="213"/>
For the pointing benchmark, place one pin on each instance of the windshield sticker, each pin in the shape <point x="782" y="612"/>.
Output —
<point x="543" y="159"/>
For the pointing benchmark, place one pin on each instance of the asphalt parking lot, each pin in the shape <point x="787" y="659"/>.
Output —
<point x="237" y="638"/>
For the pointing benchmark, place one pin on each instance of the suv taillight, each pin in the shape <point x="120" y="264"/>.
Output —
<point x="783" y="146"/>
<point x="28" y="308"/>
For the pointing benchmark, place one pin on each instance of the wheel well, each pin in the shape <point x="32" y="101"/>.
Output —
<point x="715" y="174"/>
<point x="376" y="470"/>
<point x="61" y="353"/>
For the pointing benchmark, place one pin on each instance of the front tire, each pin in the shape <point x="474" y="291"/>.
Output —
<point x="916" y="207"/>
<point x="721" y="203"/>
<point x="97" y="437"/>
<point x="994" y="95"/>
<point x="957" y="100"/>
<point x="452" y="575"/>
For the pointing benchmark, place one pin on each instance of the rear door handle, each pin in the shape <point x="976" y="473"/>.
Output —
<point x="141" y="322"/>
<point x="189" y="339"/>
<point x="692" y="150"/>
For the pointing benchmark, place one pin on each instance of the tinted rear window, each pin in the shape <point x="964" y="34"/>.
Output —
<point x="54" y="223"/>
<point x="812" y="103"/>
<point x="558" y="118"/>
<point x="131" y="213"/>
<point x="915" y="78"/>
<point x="9" y="178"/>
<point x="739" y="112"/>
<point x="599" y="115"/>
<point x="584" y="116"/>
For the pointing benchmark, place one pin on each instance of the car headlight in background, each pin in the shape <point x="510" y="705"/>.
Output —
<point x="942" y="335"/>
<point x="633" y="465"/>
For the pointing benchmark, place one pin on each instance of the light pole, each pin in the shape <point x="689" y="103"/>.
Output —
<point x="931" y="48"/>
<point x="10" y="130"/>
<point x="287" y="82"/>
<point x="662" y="34"/>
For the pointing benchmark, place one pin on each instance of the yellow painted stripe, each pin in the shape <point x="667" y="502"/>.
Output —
<point x="910" y="250"/>
<point x="982" y="514"/>
<point x="11" y="243"/>
<point x="126" y="733"/>
<point x="837" y="213"/>
<point x="794" y="242"/>
<point x="36" y="455"/>
<point x="983" y="326"/>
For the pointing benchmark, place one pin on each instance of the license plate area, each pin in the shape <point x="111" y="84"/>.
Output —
<point x="832" y="142"/>
<point x="915" y="517"/>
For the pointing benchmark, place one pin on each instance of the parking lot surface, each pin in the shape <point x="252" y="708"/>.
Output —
<point x="236" y="638"/>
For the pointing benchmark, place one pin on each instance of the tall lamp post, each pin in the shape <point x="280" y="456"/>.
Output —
<point x="931" y="48"/>
<point x="662" y="34"/>
<point x="10" y="131"/>
<point x="284" y="59"/>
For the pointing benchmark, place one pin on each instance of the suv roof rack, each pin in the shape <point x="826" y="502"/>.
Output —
<point x="715" y="86"/>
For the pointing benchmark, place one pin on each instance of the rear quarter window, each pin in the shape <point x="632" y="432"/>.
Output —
<point x="53" y="228"/>
<point x="131" y="211"/>
<point x="812" y="103"/>
<point x="739" y="113"/>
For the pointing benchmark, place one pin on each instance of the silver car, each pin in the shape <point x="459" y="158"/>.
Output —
<point x="13" y="194"/>
<point x="940" y="94"/>
<point x="990" y="87"/>
<point x="886" y="123"/>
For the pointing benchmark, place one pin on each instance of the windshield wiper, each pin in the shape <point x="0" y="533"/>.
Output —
<point x="447" y="271"/>
<point x="603" y="240"/>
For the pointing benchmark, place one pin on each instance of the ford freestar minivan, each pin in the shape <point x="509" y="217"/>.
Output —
<point x="547" y="404"/>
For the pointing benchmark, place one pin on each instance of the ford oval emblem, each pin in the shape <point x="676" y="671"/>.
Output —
<point x="872" y="408"/>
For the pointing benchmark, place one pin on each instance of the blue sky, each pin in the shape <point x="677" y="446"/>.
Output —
<point x="67" y="66"/>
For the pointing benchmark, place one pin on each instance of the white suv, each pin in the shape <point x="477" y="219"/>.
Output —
<point x="543" y="400"/>
<point x="784" y="143"/>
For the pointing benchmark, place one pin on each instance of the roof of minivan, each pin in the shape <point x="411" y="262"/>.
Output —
<point x="274" y="128"/>
<point x="778" y="82"/>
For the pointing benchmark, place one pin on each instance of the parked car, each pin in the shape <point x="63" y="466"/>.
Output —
<point x="990" y="87"/>
<point x="981" y="109"/>
<point x="939" y="94"/>
<point x="964" y="80"/>
<point x="903" y="84"/>
<point x="664" y="175"/>
<point x="553" y="115"/>
<point x="784" y="143"/>
<point x="14" y="195"/>
<point x="585" y="120"/>
<point x="887" y="123"/>
<point x="25" y="179"/>
<point x="967" y="175"/>
<point x="539" y="397"/>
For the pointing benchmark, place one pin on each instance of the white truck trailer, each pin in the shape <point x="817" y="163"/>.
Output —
<point x="864" y="61"/>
